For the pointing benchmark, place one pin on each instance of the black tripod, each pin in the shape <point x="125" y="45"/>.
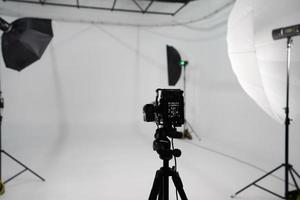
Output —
<point x="289" y="170"/>
<point x="162" y="145"/>
<point x="10" y="156"/>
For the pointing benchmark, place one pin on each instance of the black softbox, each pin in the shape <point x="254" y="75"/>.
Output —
<point x="24" y="41"/>
<point x="174" y="67"/>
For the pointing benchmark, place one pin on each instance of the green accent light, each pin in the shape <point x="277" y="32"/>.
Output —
<point x="183" y="62"/>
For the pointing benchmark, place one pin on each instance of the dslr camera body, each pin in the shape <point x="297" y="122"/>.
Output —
<point x="167" y="111"/>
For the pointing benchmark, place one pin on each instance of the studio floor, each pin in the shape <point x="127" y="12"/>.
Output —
<point x="116" y="161"/>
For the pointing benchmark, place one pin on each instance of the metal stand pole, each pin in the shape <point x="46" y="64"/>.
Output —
<point x="287" y="118"/>
<point x="184" y="96"/>
<point x="288" y="168"/>
<point x="186" y="125"/>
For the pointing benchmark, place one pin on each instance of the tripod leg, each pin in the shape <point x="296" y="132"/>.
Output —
<point x="165" y="186"/>
<point x="161" y="193"/>
<point x="259" y="179"/>
<point x="26" y="168"/>
<point x="178" y="185"/>
<point x="156" y="187"/>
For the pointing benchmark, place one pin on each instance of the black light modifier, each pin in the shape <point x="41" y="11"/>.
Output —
<point x="174" y="65"/>
<point x="24" y="41"/>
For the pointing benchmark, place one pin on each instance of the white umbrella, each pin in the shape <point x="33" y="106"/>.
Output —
<point x="258" y="61"/>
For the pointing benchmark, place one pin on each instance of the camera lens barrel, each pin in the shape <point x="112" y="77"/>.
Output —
<point x="149" y="113"/>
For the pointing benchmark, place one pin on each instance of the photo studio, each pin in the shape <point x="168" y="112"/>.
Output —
<point x="150" y="99"/>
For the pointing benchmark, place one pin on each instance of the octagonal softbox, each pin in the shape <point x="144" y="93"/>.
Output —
<point x="25" y="42"/>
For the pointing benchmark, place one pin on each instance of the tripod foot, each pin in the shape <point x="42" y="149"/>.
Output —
<point x="233" y="196"/>
<point x="2" y="188"/>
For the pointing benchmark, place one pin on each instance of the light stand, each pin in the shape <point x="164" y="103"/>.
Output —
<point x="10" y="156"/>
<point x="186" y="126"/>
<point x="289" y="170"/>
<point x="175" y="67"/>
<point x="23" y="42"/>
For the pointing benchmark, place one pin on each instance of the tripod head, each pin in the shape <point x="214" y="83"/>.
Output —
<point x="162" y="144"/>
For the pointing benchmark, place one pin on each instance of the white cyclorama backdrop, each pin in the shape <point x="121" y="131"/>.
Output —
<point x="94" y="79"/>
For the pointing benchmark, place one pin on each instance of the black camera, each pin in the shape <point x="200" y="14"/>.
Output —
<point x="168" y="108"/>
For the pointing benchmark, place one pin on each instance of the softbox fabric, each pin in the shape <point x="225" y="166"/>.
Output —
<point x="26" y="42"/>
<point x="258" y="61"/>
<point x="174" y="67"/>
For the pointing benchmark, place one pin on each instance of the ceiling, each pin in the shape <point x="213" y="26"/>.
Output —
<point x="126" y="12"/>
<point x="160" y="7"/>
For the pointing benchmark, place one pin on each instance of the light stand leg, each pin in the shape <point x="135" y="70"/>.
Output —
<point x="10" y="156"/>
<point x="23" y="165"/>
<point x="257" y="180"/>
<point x="287" y="167"/>
<point x="295" y="172"/>
<point x="293" y="177"/>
